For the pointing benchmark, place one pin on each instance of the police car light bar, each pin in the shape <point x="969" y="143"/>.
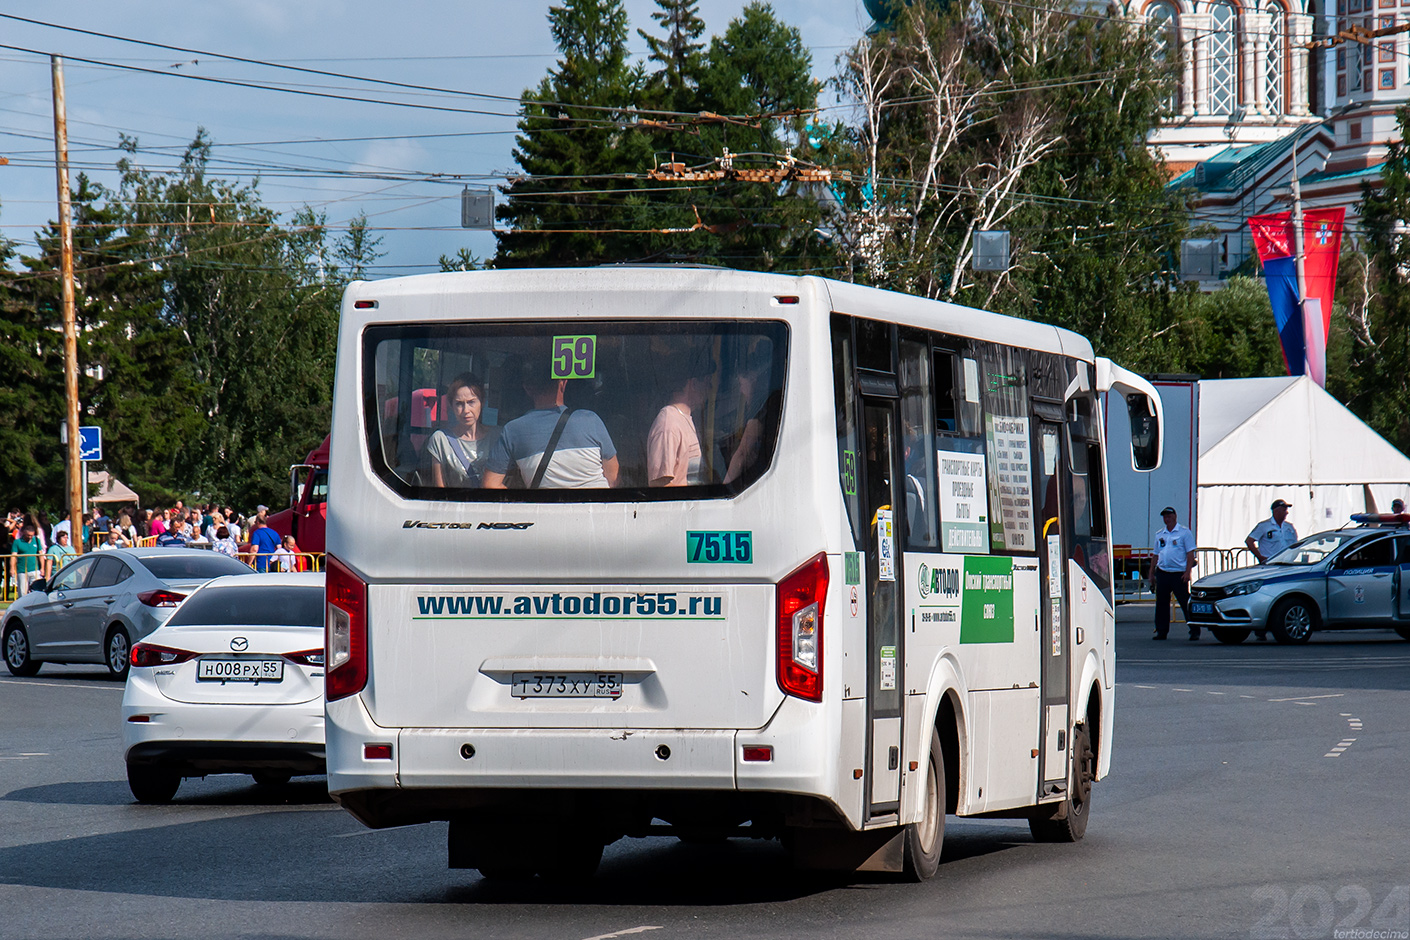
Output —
<point x="1381" y="518"/>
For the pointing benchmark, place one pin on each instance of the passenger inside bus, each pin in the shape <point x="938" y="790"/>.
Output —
<point x="763" y="400"/>
<point x="459" y="451"/>
<point x="553" y="446"/>
<point x="673" y="456"/>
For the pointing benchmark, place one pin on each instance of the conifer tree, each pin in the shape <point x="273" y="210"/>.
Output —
<point x="575" y="147"/>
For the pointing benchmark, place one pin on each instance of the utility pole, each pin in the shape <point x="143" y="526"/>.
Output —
<point x="1299" y="255"/>
<point x="61" y="167"/>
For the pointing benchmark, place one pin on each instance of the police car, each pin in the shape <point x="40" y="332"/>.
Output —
<point x="1350" y="578"/>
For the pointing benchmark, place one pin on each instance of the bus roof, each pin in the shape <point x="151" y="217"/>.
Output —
<point x="440" y="291"/>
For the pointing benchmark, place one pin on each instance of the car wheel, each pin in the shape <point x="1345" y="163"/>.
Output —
<point x="117" y="652"/>
<point x="1404" y="632"/>
<point x="1229" y="635"/>
<point x="924" y="839"/>
<point x="271" y="778"/>
<point x="1068" y="821"/>
<point x="1294" y="620"/>
<point x="152" y="785"/>
<point x="17" y="656"/>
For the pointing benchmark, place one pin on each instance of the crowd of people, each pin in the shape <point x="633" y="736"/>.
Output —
<point x="35" y="547"/>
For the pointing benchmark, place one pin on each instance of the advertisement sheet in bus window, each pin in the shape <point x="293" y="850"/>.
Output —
<point x="964" y="494"/>
<point x="1011" y="486"/>
<point x="885" y="546"/>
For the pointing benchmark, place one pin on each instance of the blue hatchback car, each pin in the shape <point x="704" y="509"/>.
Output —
<point x="1347" y="579"/>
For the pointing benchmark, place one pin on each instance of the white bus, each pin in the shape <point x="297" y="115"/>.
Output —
<point x="806" y="560"/>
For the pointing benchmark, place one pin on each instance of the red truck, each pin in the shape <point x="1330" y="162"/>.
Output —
<point x="306" y="519"/>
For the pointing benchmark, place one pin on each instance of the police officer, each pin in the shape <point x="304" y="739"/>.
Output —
<point x="1270" y="537"/>
<point x="1174" y="560"/>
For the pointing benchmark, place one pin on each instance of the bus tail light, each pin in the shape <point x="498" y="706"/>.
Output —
<point x="800" y="599"/>
<point x="346" y="632"/>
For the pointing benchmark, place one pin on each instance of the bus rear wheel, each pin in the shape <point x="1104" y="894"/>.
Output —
<point x="925" y="839"/>
<point x="1068" y="821"/>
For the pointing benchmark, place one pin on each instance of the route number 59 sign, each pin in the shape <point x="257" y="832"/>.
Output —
<point x="574" y="357"/>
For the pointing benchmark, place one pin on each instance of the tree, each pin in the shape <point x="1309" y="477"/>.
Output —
<point x="578" y="156"/>
<point x="590" y="134"/>
<point x="1024" y="118"/>
<point x="256" y="307"/>
<point x="134" y="380"/>
<point x="1380" y="356"/>
<point x="678" y="53"/>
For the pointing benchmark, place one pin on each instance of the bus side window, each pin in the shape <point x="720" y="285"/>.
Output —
<point x="946" y="413"/>
<point x="918" y="444"/>
<point x="849" y="448"/>
<point x="1088" y="542"/>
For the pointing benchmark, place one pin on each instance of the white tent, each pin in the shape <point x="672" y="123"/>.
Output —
<point x="1286" y="438"/>
<point x="111" y="489"/>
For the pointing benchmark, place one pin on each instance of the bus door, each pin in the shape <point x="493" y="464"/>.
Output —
<point x="880" y="468"/>
<point x="1052" y="492"/>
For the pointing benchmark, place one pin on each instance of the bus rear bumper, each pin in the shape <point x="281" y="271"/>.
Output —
<point x="445" y="767"/>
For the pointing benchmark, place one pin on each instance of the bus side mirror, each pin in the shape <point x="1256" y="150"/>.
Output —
<point x="1145" y="431"/>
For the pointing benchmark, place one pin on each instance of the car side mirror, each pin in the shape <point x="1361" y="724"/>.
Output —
<point x="40" y="585"/>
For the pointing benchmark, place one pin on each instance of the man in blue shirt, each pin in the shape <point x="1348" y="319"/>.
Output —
<point x="266" y="542"/>
<point x="1174" y="561"/>
<point x="584" y="457"/>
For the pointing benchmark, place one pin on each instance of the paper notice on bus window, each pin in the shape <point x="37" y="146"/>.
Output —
<point x="888" y="668"/>
<point x="964" y="501"/>
<point x="1010" y="469"/>
<point x="1055" y="566"/>
<point x="885" y="546"/>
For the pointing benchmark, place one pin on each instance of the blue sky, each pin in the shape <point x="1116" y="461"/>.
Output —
<point x="498" y="48"/>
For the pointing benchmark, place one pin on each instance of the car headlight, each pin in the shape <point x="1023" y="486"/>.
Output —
<point x="1248" y="587"/>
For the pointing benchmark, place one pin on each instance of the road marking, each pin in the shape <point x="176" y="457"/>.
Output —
<point x="1207" y="692"/>
<point x="367" y="832"/>
<point x="623" y="933"/>
<point x="62" y="685"/>
<point x="1300" y="698"/>
<point x="35" y="754"/>
<point x="1145" y="686"/>
<point x="1181" y="690"/>
<point x="1245" y="696"/>
<point x="1340" y="748"/>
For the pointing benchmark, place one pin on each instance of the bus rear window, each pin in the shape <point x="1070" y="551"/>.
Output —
<point x="573" y="411"/>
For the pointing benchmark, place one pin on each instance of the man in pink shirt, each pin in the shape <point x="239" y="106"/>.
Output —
<point x="673" y="446"/>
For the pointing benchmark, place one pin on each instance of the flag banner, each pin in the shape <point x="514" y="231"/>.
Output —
<point x="1321" y="245"/>
<point x="1316" y="340"/>
<point x="1273" y="238"/>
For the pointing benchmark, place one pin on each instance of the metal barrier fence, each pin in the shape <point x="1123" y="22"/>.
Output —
<point x="9" y="586"/>
<point x="1133" y="568"/>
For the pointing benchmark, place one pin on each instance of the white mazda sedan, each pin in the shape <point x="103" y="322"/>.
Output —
<point x="232" y="683"/>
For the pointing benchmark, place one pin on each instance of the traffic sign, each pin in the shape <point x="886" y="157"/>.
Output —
<point x="90" y="443"/>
